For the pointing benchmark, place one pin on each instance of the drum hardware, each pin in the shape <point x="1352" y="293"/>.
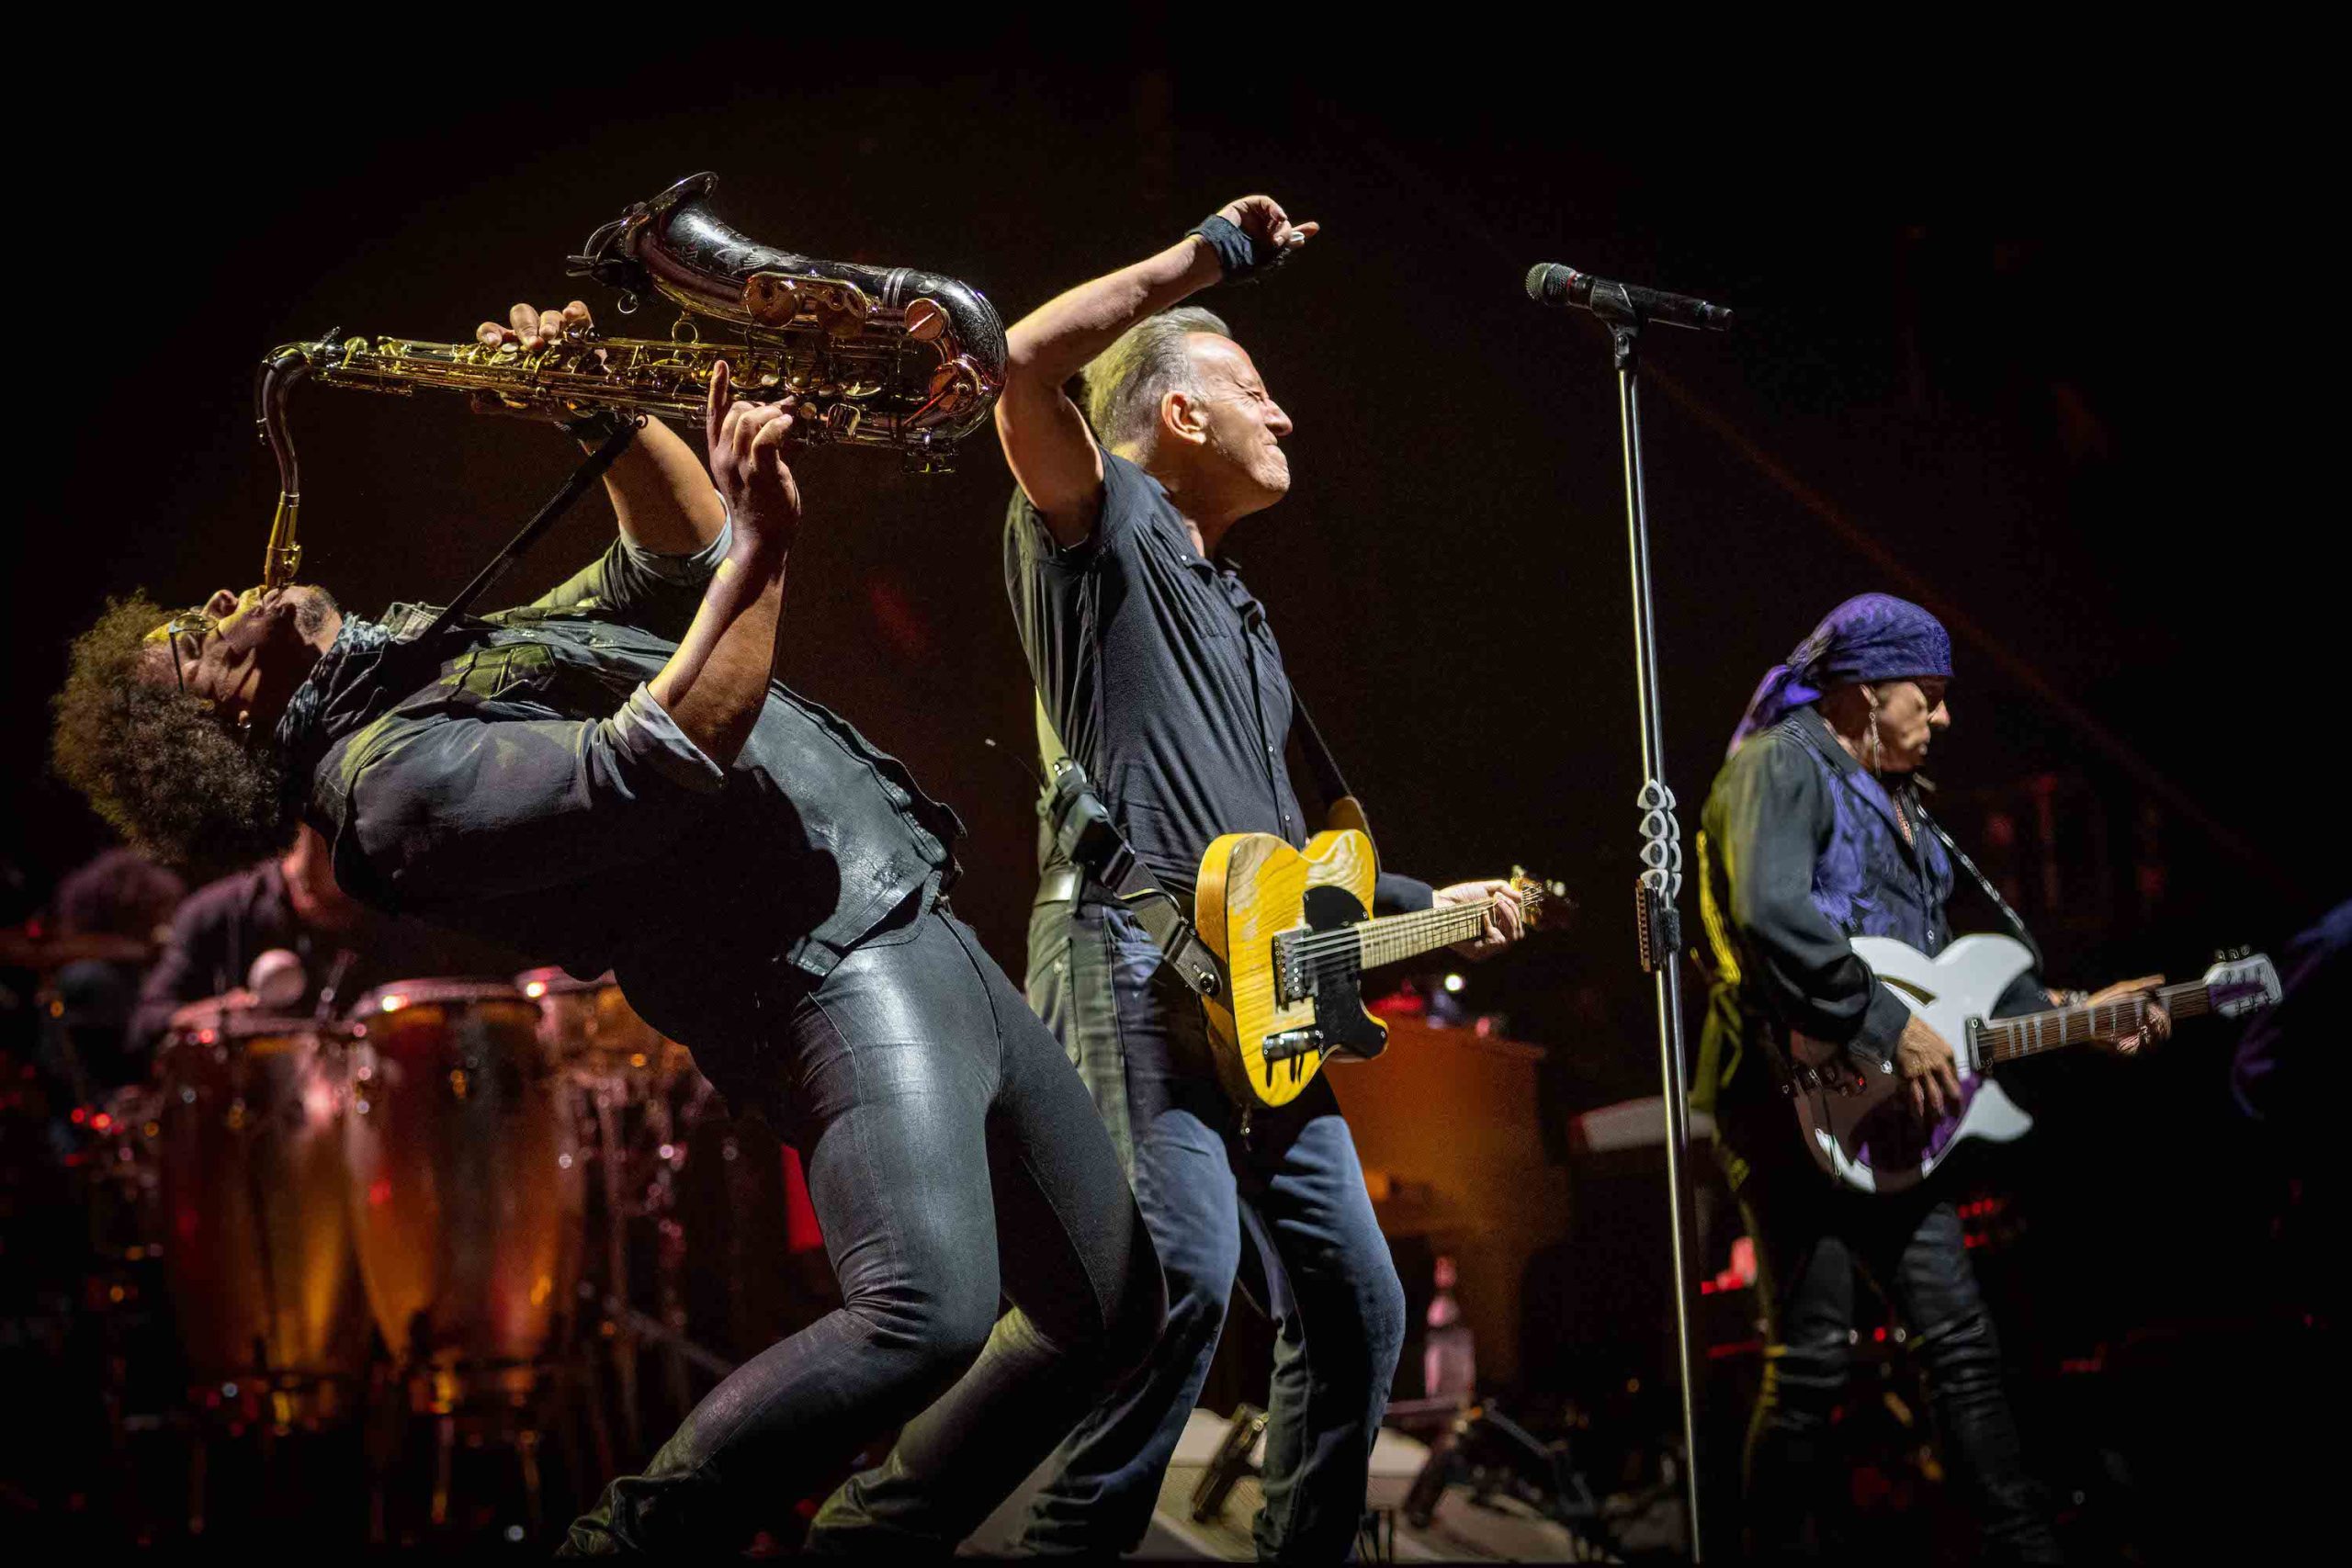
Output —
<point x="634" y="1093"/>
<point x="1235" y="1456"/>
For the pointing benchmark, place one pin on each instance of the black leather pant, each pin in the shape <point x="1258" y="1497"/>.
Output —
<point x="1811" y="1237"/>
<point x="953" y="1155"/>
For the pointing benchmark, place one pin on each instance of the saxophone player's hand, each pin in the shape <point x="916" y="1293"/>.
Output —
<point x="533" y="328"/>
<point x="749" y="443"/>
<point x="527" y="327"/>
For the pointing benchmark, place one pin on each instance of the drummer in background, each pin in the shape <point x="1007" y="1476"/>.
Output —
<point x="107" y="916"/>
<point x="291" y="905"/>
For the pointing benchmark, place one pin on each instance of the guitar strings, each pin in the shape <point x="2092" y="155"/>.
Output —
<point x="2012" y="1039"/>
<point x="1330" y="955"/>
<point x="1407" y="927"/>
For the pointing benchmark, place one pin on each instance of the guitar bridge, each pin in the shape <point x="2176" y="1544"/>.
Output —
<point x="1291" y="1042"/>
<point x="1291" y="984"/>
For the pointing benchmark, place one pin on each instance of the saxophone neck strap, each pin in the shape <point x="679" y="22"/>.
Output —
<point x="615" y="442"/>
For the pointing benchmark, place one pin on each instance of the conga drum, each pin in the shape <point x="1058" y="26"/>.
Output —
<point x="590" y="1024"/>
<point x="257" y="1243"/>
<point x="465" y="1183"/>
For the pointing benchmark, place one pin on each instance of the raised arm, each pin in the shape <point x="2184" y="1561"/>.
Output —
<point x="451" y="810"/>
<point x="1047" y="442"/>
<point x="714" y="686"/>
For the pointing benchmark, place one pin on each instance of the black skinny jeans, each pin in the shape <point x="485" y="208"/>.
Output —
<point x="953" y="1155"/>
<point x="1810" y="1236"/>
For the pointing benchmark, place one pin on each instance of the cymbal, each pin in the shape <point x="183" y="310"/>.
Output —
<point x="22" y="949"/>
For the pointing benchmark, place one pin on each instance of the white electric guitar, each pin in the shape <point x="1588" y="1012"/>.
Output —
<point x="1864" y="1132"/>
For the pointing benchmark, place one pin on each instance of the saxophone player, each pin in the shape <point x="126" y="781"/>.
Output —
<point x="612" y="777"/>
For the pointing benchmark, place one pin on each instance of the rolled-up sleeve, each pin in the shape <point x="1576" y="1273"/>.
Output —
<point x="1777" y="820"/>
<point x="642" y="586"/>
<point x="450" y="809"/>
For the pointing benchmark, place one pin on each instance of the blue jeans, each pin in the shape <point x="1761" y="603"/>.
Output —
<point x="1292" y="1190"/>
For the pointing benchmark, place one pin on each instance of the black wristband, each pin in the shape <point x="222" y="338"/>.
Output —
<point x="1243" y="258"/>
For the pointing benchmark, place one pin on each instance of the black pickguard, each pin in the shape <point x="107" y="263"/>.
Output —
<point x="1338" y="982"/>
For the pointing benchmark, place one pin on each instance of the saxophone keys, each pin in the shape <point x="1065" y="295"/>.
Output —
<point x="841" y="309"/>
<point x="925" y="320"/>
<point x="770" y="299"/>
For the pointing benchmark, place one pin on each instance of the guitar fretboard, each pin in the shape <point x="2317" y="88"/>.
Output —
<point x="2008" y="1039"/>
<point x="1395" y="938"/>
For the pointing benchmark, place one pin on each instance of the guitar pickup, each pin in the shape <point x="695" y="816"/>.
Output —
<point x="1293" y="1043"/>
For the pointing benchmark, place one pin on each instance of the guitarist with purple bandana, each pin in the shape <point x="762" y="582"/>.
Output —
<point x="1813" y="835"/>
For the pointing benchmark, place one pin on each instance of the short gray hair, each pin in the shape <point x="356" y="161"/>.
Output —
<point x="1127" y="381"/>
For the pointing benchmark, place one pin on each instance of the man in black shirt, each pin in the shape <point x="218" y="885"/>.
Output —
<point x="613" y="774"/>
<point x="1156" y="667"/>
<point x="290" y="903"/>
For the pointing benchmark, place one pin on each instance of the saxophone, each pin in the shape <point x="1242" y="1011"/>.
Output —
<point x="891" y="357"/>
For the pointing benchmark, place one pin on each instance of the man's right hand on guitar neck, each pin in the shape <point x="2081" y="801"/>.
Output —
<point x="1930" y="1072"/>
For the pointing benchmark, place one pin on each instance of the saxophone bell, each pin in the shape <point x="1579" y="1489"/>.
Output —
<point x="931" y="346"/>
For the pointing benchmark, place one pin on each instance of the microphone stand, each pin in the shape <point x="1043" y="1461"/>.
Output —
<point x="1659" y="921"/>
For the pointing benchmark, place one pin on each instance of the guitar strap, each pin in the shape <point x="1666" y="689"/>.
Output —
<point x="1084" y="833"/>
<point x="2016" y="923"/>
<point x="1960" y="857"/>
<point x="1331" y="784"/>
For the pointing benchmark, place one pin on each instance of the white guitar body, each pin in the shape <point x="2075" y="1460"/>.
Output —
<point x="1867" y="1137"/>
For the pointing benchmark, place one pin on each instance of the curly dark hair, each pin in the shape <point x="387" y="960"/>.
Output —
<point x="156" y="763"/>
<point x="120" y="891"/>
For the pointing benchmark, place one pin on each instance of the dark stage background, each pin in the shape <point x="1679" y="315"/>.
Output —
<point x="1995" y="352"/>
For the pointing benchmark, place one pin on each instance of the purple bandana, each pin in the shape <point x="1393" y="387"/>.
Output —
<point x="1872" y="637"/>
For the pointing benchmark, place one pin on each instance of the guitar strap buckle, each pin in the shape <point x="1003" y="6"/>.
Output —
<point x="1084" y="832"/>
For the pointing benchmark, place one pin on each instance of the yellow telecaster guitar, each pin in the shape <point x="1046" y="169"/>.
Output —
<point x="1292" y="930"/>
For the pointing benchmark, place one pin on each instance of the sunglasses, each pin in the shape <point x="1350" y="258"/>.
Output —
<point x="194" y="624"/>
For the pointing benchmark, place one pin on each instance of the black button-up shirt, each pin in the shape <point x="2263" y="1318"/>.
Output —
<point x="1161" y="676"/>
<point x="515" y="779"/>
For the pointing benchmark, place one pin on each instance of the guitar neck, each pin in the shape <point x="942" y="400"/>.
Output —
<point x="2008" y="1039"/>
<point x="1391" y="939"/>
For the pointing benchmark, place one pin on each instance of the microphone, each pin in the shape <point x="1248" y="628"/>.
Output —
<point x="276" y="979"/>
<point x="1548" y="283"/>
